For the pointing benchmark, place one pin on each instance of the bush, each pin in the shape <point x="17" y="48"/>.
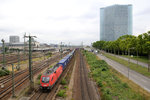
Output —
<point x="63" y="82"/>
<point x="4" y="72"/>
<point x="65" y="87"/>
<point x="62" y="93"/>
<point x="125" y="85"/>
<point x="99" y="82"/>
<point x="39" y="76"/>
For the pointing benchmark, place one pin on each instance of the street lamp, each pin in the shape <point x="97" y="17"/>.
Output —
<point x="129" y="60"/>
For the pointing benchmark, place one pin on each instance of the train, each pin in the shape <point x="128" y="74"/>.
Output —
<point x="51" y="76"/>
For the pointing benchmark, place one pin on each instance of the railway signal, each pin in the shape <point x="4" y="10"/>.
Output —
<point x="4" y="65"/>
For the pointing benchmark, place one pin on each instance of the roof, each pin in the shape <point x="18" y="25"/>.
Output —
<point x="51" y="70"/>
<point x="62" y="60"/>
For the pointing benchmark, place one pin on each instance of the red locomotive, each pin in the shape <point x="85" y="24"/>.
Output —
<point x="51" y="76"/>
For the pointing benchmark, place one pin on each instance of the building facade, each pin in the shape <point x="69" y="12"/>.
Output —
<point x="14" y="39"/>
<point x="115" y="21"/>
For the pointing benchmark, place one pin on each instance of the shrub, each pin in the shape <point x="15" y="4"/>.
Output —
<point x="125" y="85"/>
<point x="63" y="82"/>
<point x="39" y="76"/>
<point x="62" y="93"/>
<point x="99" y="82"/>
<point x="65" y="87"/>
<point x="4" y="72"/>
<point x="107" y="91"/>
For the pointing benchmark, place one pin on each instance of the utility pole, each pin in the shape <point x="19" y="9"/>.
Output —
<point x="24" y="45"/>
<point x="44" y="54"/>
<point x="128" y="62"/>
<point x="30" y="63"/>
<point x="18" y="67"/>
<point x="4" y="65"/>
<point x="61" y="49"/>
<point x="137" y="57"/>
<point x="13" y="83"/>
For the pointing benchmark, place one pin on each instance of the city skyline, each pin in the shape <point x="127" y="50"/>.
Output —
<point x="68" y="21"/>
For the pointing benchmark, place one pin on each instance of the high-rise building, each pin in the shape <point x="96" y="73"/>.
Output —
<point x="115" y="21"/>
<point x="14" y="39"/>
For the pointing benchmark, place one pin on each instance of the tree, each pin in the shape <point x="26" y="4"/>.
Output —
<point x="146" y="38"/>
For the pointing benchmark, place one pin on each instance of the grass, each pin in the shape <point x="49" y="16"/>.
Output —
<point x="131" y="84"/>
<point x="139" y="69"/>
<point x="111" y="86"/>
<point x="140" y="58"/>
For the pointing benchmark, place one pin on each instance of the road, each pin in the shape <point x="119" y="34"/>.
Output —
<point x="131" y="60"/>
<point x="139" y="79"/>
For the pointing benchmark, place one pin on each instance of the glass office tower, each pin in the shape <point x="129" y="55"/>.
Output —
<point x="115" y="21"/>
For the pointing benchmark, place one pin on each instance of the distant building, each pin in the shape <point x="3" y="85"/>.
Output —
<point x="14" y="39"/>
<point x="115" y="21"/>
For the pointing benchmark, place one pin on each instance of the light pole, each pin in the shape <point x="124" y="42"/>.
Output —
<point x="129" y="60"/>
<point x="137" y="57"/>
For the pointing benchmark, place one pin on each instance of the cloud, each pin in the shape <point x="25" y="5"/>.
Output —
<point x="53" y="21"/>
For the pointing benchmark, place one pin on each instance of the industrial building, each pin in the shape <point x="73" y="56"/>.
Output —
<point x="115" y="21"/>
<point x="14" y="39"/>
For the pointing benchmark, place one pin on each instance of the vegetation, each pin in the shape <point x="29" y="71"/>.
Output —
<point x="111" y="87"/>
<point x="4" y="72"/>
<point x="139" y="69"/>
<point x="131" y="84"/>
<point x="49" y="54"/>
<point x="63" y="81"/>
<point x="39" y="76"/>
<point x="139" y="58"/>
<point x="62" y="93"/>
<point x="127" y="44"/>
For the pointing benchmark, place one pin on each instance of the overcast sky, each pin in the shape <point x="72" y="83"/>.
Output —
<point x="53" y="21"/>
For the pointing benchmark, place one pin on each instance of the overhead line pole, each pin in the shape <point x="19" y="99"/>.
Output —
<point x="18" y="67"/>
<point x="61" y="49"/>
<point x="30" y="63"/>
<point x="24" y="45"/>
<point x="4" y="65"/>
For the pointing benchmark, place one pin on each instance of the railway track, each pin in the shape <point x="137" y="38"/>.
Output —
<point x="49" y="95"/>
<point x="22" y="77"/>
<point x="85" y="92"/>
<point x="9" y="59"/>
<point x="83" y="87"/>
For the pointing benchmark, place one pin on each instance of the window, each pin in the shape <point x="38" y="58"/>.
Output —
<point x="45" y="79"/>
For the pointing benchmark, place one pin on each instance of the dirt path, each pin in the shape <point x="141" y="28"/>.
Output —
<point x="83" y="88"/>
